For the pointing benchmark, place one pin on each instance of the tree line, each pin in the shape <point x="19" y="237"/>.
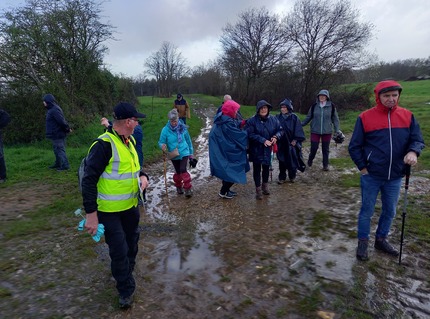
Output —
<point x="59" y="47"/>
<point x="319" y="44"/>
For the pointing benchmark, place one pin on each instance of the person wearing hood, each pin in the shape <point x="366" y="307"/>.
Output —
<point x="57" y="129"/>
<point x="175" y="136"/>
<point x="264" y="130"/>
<point x="289" y="152"/>
<point x="385" y="139"/>
<point x="227" y="149"/>
<point x="324" y="119"/>
<point x="4" y="121"/>
<point x="181" y="105"/>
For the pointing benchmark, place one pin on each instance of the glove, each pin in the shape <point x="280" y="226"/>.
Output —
<point x="100" y="230"/>
<point x="193" y="162"/>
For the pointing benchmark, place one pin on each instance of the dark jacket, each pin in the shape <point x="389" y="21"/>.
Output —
<point x="259" y="130"/>
<point x="293" y="131"/>
<point x="227" y="150"/>
<point x="56" y="125"/>
<point x="4" y="119"/>
<point x="383" y="136"/>
<point x="97" y="159"/>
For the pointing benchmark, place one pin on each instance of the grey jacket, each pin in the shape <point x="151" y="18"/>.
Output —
<point x="324" y="120"/>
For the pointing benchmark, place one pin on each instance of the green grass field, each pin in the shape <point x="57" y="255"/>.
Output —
<point x="29" y="163"/>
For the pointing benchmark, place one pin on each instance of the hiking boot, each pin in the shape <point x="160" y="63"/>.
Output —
<point x="309" y="163"/>
<point x="125" y="302"/>
<point x="2" y="180"/>
<point x="188" y="192"/>
<point x="326" y="169"/>
<point x="265" y="189"/>
<point x="281" y="181"/>
<point x="258" y="193"/>
<point x="228" y="195"/>
<point x="384" y="246"/>
<point x="292" y="180"/>
<point x="362" y="250"/>
<point x="179" y="190"/>
<point x="55" y="166"/>
<point x="59" y="169"/>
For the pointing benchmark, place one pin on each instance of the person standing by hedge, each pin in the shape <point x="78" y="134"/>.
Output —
<point x="57" y="129"/>
<point x="4" y="121"/>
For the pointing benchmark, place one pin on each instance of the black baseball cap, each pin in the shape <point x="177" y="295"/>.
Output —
<point x="125" y="110"/>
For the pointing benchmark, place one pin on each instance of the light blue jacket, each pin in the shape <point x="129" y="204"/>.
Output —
<point x="170" y="138"/>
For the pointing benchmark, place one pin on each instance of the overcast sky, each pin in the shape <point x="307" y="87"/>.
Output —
<point x="402" y="28"/>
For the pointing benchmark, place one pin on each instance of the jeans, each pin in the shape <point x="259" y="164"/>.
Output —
<point x="122" y="236"/>
<point x="390" y="192"/>
<point x="59" y="146"/>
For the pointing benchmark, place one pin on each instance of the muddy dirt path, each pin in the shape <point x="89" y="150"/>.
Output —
<point x="291" y="255"/>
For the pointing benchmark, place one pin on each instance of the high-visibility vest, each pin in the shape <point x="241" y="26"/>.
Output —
<point x="118" y="186"/>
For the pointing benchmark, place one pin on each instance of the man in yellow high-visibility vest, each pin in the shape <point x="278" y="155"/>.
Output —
<point x="110" y="190"/>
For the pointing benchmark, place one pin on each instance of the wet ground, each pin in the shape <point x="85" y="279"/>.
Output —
<point x="290" y="255"/>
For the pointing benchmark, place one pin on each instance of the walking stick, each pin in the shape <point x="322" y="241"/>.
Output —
<point x="405" y="201"/>
<point x="165" y="172"/>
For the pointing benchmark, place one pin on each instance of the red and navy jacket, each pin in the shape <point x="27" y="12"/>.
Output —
<point x="383" y="136"/>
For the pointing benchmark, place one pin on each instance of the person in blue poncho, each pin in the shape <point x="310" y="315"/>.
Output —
<point x="227" y="149"/>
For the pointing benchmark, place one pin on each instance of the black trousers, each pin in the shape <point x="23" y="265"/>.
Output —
<point x="122" y="236"/>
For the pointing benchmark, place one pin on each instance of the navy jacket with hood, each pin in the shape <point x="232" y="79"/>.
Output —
<point x="56" y="125"/>
<point x="383" y="136"/>
<point x="293" y="129"/>
<point x="259" y="130"/>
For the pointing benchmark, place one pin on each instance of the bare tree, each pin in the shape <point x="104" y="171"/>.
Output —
<point x="53" y="45"/>
<point x="253" y="47"/>
<point x="167" y="66"/>
<point x="328" y="38"/>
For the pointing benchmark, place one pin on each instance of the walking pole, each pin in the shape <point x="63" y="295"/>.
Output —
<point x="165" y="172"/>
<point x="405" y="201"/>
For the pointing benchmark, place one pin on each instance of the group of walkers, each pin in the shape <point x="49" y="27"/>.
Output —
<point x="385" y="139"/>
<point x="234" y="142"/>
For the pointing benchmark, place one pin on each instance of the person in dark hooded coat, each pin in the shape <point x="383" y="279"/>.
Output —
<point x="227" y="149"/>
<point x="290" y="145"/>
<point x="264" y="130"/>
<point x="57" y="129"/>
